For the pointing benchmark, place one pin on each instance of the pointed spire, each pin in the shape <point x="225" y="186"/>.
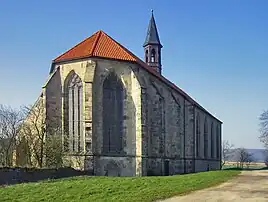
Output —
<point x="152" y="34"/>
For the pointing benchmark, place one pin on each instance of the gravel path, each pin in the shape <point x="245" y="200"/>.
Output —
<point x="248" y="186"/>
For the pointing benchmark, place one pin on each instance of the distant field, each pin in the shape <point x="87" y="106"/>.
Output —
<point x="254" y="165"/>
<point x="109" y="189"/>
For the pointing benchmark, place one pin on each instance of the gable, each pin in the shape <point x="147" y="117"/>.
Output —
<point x="97" y="45"/>
<point x="103" y="46"/>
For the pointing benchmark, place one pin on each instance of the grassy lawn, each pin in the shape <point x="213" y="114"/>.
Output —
<point x="113" y="188"/>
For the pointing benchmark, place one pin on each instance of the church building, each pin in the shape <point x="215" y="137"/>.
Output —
<point x="121" y="117"/>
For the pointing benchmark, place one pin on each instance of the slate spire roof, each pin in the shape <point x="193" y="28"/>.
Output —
<point x="152" y="37"/>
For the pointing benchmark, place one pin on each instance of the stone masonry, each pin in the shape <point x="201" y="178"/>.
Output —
<point x="159" y="124"/>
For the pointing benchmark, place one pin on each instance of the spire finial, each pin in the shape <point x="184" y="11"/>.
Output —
<point x="152" y="11"/>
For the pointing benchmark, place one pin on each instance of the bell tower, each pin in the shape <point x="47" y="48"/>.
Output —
<point x="152" y="47"/>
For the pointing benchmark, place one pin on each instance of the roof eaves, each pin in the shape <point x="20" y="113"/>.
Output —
<point x="77" y="45"/>
<point x="176" y="88"/>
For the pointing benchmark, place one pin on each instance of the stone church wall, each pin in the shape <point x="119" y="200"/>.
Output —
<point x="92" y="157"/>
<point x="171" y="131"/>
<point x="53" y="100"/>
<point x="159" y="124"/>
<point x="115" y="166"/>
<point x="127" y="161"/>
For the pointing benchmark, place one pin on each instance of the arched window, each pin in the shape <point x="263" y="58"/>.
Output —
<point x="146" y="56"/>
<point x="73" y="105"/>
<point x="153" y="55"/>
<point x="113" y="95"/>
<point x="198" y="135"/>
<point x="206" y="138"/>
<point x="212" y="140"/>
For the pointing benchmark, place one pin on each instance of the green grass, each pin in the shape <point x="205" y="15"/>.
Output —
<point x="113" y="188"/>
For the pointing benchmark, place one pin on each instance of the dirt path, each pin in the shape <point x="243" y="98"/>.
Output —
<point x="248" y="186"/>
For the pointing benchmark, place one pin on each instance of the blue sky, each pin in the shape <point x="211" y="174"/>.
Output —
<point x="217" y="51"/>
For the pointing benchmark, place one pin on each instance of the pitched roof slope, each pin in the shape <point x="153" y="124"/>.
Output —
<point x="104" y="46"/>
<point x="98" y="45"/>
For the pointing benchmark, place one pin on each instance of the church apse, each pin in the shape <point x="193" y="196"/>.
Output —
<point x="116" y="116"/>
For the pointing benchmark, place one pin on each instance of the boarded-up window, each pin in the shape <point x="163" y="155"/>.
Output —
<point x="113" y="114"/>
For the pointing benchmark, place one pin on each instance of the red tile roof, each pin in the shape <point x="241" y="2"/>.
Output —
<point x="102" y="45"/>
<point x="98" y="45"/>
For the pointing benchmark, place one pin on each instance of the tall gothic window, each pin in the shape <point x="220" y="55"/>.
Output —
<point x="206" y="138"/>
<point x="153" y="55"/>
<point x="113" y="116"/>
<point x="218" y="142"/>
<point x="73" y="113"/>
<point x="212" y="140"/>
<point x="197" y="135"/>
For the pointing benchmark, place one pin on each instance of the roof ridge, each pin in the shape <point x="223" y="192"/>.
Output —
<point x="99" y="39"/>
<point x="76" y="45"/>
<point x="123" y="47"/>
<point x="96" y="41"/>
<point x="164" y="79"/>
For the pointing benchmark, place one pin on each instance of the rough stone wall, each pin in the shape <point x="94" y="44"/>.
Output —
<point x="189" y="137"/>
<point x="56" y="97"/>
<point x="129" y="162"/>
<point x="159" y="124"/>
<point x="170" y="131"/>
<point x="88" y="79"/>
<point x="174" y="140"/>
<point x="9" y="176"/>
<point x="93" y="74"/>
<point x="53" y="92"/>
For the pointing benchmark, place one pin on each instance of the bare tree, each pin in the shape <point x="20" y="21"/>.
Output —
<point x="33" y="130"/>
<point x="42" y="136"/>
<point x="10" y="119"/>
<point x="79" y="162"/>
<point x="264" y="128"/>
<point x="227" y="151"/>
<point x="265" y="155"/>
<point x="53" y="151"/>
<point x="243" y="157"/>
